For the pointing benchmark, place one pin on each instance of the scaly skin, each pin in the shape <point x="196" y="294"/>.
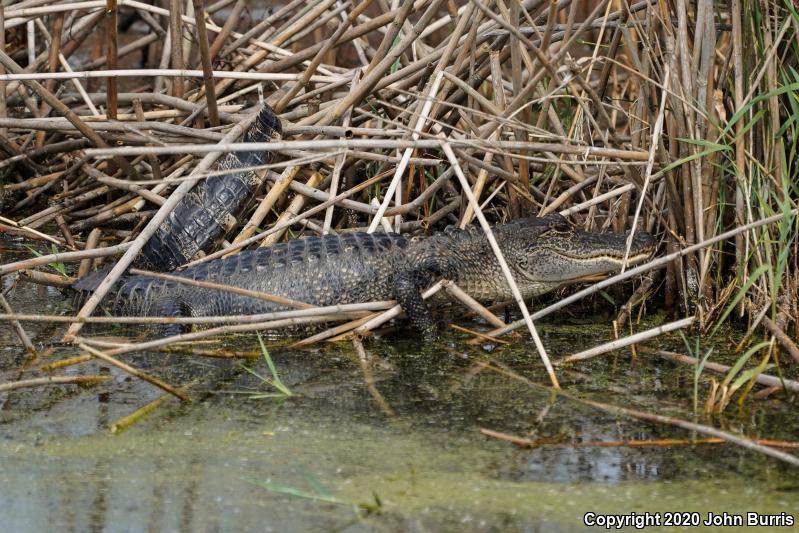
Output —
<point x="543" y="254"/>
<point x="354" y="267"/>
<point x="203" y="217"/>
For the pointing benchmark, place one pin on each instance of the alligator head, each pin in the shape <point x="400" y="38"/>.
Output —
<point x="552" y="253"/>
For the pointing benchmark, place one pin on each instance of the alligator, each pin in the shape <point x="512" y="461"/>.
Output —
<point x="543" y="254"/>
<point x="208" y="212"/>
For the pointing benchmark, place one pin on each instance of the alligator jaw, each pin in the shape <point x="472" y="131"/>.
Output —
<point x="568" y="257"/>
<point x="590" y="278"/>
<point x="605" y="263"/>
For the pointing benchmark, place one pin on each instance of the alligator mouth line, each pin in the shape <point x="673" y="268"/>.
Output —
<point x="619" y="260"/>
<point x="615" y="259"/>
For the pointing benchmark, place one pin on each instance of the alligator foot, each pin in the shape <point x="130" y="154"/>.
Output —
<point x="431" y="334"/>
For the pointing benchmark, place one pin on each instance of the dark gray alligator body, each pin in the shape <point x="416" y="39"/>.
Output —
<point x="543" y="254"/>
<point x="205" y="215"/>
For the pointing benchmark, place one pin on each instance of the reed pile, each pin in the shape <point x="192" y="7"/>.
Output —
<point x="677" y="118"/>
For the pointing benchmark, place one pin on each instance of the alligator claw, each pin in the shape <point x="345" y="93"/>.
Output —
<point x="431" y="334"/>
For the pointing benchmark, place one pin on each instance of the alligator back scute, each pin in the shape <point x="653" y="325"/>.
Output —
<point x="347" y="268"/>
<point x="290" y="254"/>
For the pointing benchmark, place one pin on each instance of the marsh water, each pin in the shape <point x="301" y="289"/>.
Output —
<point x="331" y="458"/>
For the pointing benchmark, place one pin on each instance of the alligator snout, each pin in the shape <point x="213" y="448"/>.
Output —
<point x="642" y="241"/>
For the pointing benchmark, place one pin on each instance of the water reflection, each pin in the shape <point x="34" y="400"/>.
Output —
<point x="192" y="467"/>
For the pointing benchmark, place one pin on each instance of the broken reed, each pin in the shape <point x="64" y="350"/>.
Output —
<point x="675" y="118"/>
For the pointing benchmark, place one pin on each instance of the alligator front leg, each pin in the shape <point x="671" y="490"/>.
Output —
<point x="408" y="287"/>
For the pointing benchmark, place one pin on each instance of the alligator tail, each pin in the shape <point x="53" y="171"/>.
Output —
<point x="91" y="281"/>
<point x="207" y="213"/>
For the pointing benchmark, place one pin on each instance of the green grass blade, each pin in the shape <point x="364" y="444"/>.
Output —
<point x="759" y="271"/>
<point x="276" y="381"/>
<point x="316" y="485"/>
<point x="733" y="371"/>
<point x="288" y="490"/>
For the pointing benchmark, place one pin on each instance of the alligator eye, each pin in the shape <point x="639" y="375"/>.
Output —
<point x="563" y="227"/>
<point x="557" y="229"/>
